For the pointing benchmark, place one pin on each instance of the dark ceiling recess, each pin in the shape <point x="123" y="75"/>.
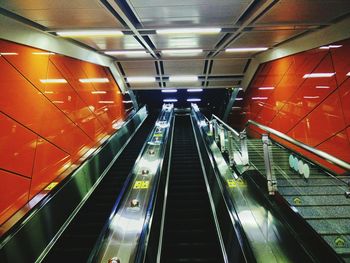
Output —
<point x="212" y="100"/>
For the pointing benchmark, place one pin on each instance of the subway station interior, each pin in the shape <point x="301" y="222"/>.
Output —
<point x="198" y="131"/>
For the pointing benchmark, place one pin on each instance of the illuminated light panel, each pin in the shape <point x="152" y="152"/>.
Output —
<point x="58" y="101"/>
<point x="322" y="87"/>
<point x="331" y="46"/>
<point x="246" y="49"/>
<point x="85" y="33"/>
<point x="311" y="97"/>
<point x="348" y="74"/>
<point x="98" y="92"/>
<point x="183" y="78"/>
<point x="126" y="52"/>
<point x="127" y="101"/>
<point x="266" y="88"/>
<point x="43" y="53"/>
<point x="106" y="101"/>
<point x="169" y="90"/>
<point x="193" y="100"/>
<point x="94" y="80"/>
<point x="182" y="51"/>
<point x="8" y="53"/>
<point x="53" y="81"/>
<point x="319" y="75"/>
<point x="140" y="79"/>
<point x="48" y="92"/>
<point x="259" y="98"/>
<point x="212" y="30"/>
<point x="170" y="100"/>
<point x="194" y="90"/>
<point x="239" y="99"/>
<point x="240" y="88"/>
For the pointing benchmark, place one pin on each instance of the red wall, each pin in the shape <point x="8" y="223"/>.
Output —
<point x="46" y="127"/>
<point x="315" y="111"/>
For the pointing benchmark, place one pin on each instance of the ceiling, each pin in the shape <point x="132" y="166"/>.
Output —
<point x="242" y="24"/>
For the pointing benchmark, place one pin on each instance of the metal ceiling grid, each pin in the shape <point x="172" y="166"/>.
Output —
<point x="244" y="23"/>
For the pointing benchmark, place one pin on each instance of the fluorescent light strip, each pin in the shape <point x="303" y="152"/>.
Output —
<point x="169" y="90"/>
<point x="194" y="90"/>
<point x="246" y="49"/>
<point x="8" y="53"/>
<point x="58" y="101"/>
<point x="170" y="100"/>
<point x="49" y="81"/>
<point x="322" y="87"/>
<point x="348" y="74"/>
<point x="311" y="97"/>
<point x="126" y="52"/>
<point x="319" y="75"/>
<point x="208" y="30"/>
<point x="140" y="79"/>
<point x="127" y="101"/>
<point x="259" y="98"/>
<point x="193" y="100"/>
<point x="239" y="99"/>
<point x="183" y="78"/>
<point x="94" y="80"/>
<point x="84" y="33"/>
<point x="331" y="46"/>
<point x="182" y="51"/>
<point x="43" y="53"/>
<point x="266" y="88"/>
<point x="106" y="101"/>
<point x="98" y="92"/>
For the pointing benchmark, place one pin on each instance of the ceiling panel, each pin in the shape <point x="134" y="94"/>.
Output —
<point x="230" y="83"/>
<point x="185" y="41"/>
<point x="228" y="66"/>
<point x="264" y="38"/>
<point x="157" y="13"/>
<point x="154" y="85"/>
<point x="139" y="68"/>
<point x="184" y="84"/>
<point x="184" y="67"/>
<point x="111" y="43"/>
<point x="305" y="11"/>
<point x="63" y="14"/>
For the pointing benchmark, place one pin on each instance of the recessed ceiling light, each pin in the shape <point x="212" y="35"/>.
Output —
<point x="126" y="52"/>
<point x="183" y="78"/>
<point x="182" y="51"/>
<point x="322" y="87"/>
<point x="48" y="81"/>
<point x="86" y="33"/>
<point x="239" y="99"/>
<point x="193" y="100"/>
<point x="266" y="88"/>
<point x="170" y="100"/>
<point x="247" y="49"/>
<point x="319" y="75"/>
<point x="127" y="101"/>
<point x="169" y="90"/>
<point x="194" y="90"/>
<point x="8" y="53"/>
<point x="140" y="79"/>
<point x="106" y="101"/>
<point x="43" y="53"/>
<point x="208" y="30"/>
<point x="94" y="80"/>
<point x="331" y="46"/>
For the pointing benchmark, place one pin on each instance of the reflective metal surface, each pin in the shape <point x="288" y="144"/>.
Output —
<point x="121" y="240"/>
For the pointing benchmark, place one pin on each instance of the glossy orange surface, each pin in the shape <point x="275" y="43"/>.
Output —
<point x="315" y="110"/>
<point x="49" y="118"/>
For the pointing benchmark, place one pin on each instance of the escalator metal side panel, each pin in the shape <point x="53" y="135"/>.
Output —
<point x="46" y="222"/>
<point x="260" y="234"/>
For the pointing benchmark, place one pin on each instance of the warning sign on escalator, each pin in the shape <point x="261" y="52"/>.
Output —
<point x="141" y="185"/>
<point x="234" y="183"/>
<point x="297" y="201"/>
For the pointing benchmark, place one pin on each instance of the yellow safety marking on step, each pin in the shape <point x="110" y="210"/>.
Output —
<point x="51" y="186"/>
<point x="339" y="242"/>
<point x="141" y="185"/>
<point x="297" y="201"/>
<point x="231" y="183"/>
<point x="158" y="135"/>
<point x="240" y="182"/>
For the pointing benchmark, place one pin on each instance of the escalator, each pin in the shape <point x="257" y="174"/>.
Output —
<point x="190" y="233"/>
<point x="77" y="241"/>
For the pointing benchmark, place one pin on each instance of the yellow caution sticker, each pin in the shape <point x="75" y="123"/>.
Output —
<point x="297" y="201"/>
<point x="234" y="183"/>
<point x="141" y="185"/>
<point x="340" y="242"/>
<point x="51" y="186"/>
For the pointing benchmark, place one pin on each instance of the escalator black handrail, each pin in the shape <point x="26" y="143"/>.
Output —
<point x="7" y="234"/>
<point x="127" y="184"/>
